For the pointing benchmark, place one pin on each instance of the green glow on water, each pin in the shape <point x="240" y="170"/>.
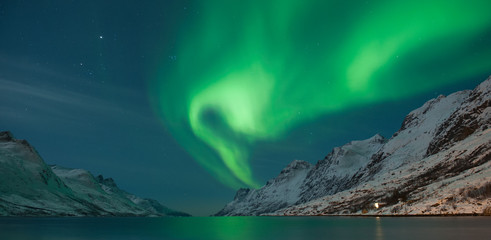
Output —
<point x="253" y="70"/>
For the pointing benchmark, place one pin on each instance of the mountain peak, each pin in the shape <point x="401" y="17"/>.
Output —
<point x="6" y="136"/>
<point x="377" y="138"/>
<point x="294" y="166"/>
<point x="106" y="181"/>
<point x="241" y="193"/>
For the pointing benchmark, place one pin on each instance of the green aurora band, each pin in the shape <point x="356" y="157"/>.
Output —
<point x="248" y="71"/>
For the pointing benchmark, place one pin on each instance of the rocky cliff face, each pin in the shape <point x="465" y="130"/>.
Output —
<point x="437" y="163"/>
<point x="29" y="187"/>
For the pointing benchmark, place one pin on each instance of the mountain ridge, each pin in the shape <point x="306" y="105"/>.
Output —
<point x="446" y="141"/>
<point x="30" y="187"/>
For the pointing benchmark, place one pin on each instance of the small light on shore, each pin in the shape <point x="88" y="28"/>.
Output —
<point x="376" y="205"/>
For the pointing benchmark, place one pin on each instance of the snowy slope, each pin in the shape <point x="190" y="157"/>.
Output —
<point x="26" y="183"/>
<point x="300" y="180"/>
<point x="454" y="181"/>
<point x="85" y="185"/>
<point x="437" y="163"/>
<point x="28" y="187"/>
<point x="278" y="193"/>
<point x="337" y="171"/>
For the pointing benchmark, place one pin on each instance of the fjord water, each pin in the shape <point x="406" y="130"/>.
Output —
<point x="247" y="228"/>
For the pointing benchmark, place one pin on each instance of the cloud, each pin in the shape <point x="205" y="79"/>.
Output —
<point x="31" y="93"/>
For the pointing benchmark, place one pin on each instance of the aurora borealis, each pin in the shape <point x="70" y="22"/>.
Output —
<point x="184" y="101"/>
<point x="247" y="71"/>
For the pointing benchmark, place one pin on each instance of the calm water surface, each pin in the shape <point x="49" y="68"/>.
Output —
<point x="245" y="228"/>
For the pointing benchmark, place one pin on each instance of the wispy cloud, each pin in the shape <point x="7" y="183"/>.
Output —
<point x="30" y="91"/>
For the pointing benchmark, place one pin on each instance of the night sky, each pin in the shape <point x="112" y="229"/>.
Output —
<point x="186" y="101"/>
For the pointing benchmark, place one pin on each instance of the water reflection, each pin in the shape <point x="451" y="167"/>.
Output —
<point x="379" y="234"/>
<point x="245" y="228"/>
<point x="240" y="228"/>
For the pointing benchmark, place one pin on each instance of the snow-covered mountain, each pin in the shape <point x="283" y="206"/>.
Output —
<point x="29" y="187"/>
<point x="437" y="163"/>
<point x="278" y="193"/>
